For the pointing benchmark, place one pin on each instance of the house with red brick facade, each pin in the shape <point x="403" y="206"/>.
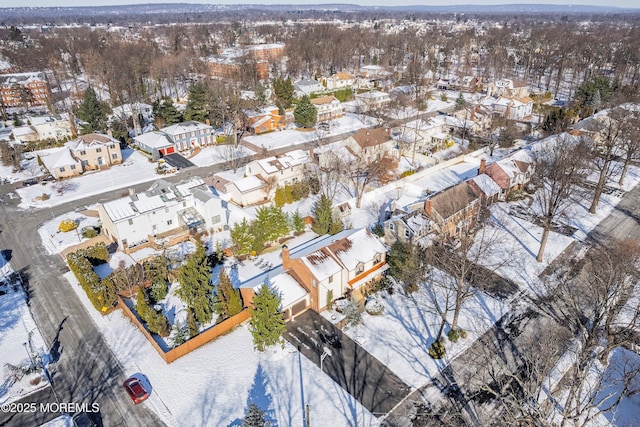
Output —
<point x="453" y="210"/>
<point x="511" y="173"/>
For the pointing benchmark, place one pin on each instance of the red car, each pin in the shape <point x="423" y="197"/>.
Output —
<point x="136" y="390"/>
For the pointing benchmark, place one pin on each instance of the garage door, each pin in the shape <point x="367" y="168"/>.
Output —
<point x="299" y="307"/>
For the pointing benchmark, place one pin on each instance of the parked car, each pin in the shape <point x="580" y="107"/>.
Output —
<point x="136" y="390"/>
<point x="324" y="126"/>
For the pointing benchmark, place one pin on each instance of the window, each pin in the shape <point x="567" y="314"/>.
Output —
<point x="406" y="233"/>
<point x="360" y="268"/>
<point x="184" y="204"/>
<point x="98" y="150"/>
<point x="73" y="167"/>
<point x="330" y="279"/>
<point x="82" y="153"/>
<point x="391" y="226"/>
<point x="377" y="259"/>
<point x="130" y="222"/>
<point x="169" y="222"/>
<point x="215" y="219"/>
<point x="112" y="146"/>
<point x="114" y="156"/>
<point x="62" y="169"/>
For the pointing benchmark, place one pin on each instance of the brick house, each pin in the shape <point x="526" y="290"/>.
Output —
<point x="453" y="210"/>
<point x="24" y="90"/>
<point x="510" y="173"/>
<point x="268" y="119"/>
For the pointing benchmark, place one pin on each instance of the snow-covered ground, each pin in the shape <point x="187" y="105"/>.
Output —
<point x="285" y="138"/>
<point x="214" y="384"/>
<point x="20" y="341"/>
<point x="55" y="241"/>
<point x="215" y="154"/>
<point x="135" y="169"/>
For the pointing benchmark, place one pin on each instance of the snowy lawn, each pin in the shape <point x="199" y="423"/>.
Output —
<point x="135" y="169"/>
<point x="213" y="385"/>
<point x="56" y="241"/>
<point x="400" y="337"/>
<point x="20" y="341"/>
<point x="215" y="154"/>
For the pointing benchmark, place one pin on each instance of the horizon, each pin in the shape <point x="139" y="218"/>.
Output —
<point x="623" y="4"/>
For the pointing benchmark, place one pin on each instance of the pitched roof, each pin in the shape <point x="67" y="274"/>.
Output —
<point x="453" y="199"/>
<point x="323" y="100"/>
<point x="487" y="185"/>
<point x="59" y="159"/>
<point x="371" y="137"/>
<point x="361" y="246"/>
<point x="90" y="141"/>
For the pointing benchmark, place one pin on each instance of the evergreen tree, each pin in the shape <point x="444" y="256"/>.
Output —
<point x="336" y="225"/>
<point x="279" y="198"/>
<point x="228" y="301"/>
<point x="196" y="104"/>
<point x="142" y="306"/>
<point x="305" y="113"/>
<point x="166" y="113"/>
<point x="159" y="289"/>
<point x="322" y="215"/>
<point x="192" y="325"/>
<point x="93" y="112"/>
<point x="180" y="334"/>
<point x="267" y="323"/>
<point x="255" y="417"/>
<point x="195" y="288"/>
<point x="271" y="222"/>
<point x="298" y="222"/>
<point x="242" y="238"/>
<point x="158" y="323"/>
<point x="284" y="91"/>
<point x="17" y="121"/>
<point x="460" y="102"/>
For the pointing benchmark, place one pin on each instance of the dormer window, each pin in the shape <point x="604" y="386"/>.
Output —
<point x="377" y="259"/>
<point x="360" y="268"/>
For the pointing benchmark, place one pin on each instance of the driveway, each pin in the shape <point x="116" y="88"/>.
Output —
<point x="351" y="366"/>
<point x="177" y="161"/>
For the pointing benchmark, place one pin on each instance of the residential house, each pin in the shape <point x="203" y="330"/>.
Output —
<point x="266" y="120"/>
<point x="428" y="134"/>
<point x="24" y="134"/>
<point x="248" y="191"/>
<point x="453" y="210"/>
<point x="88" y="152"/>
<point x="373" y="72"/>
<point x="56" y="127"/>
<point x="24" y="90"/>
<point x="408" y="228"/>
<point x="343" y="210"/>
<point x="282" y="169"/>
<point x="307" y="87"/>
<point x="513" y="108"/>
<point x="371" y="143"/>
<point x="328" y="108"/>
<point x="508" y="88"/>
<point x="230" y="62"/>
<point x="511" y="173"/>
<point x="485" y="187"/>
<point x="339" y="81"/>
<point x="179" y="138"/>
<point x="374" y="100"/>
<point x="164" y="211"/>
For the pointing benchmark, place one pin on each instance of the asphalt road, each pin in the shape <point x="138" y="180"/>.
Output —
<point x="363" y="376"/>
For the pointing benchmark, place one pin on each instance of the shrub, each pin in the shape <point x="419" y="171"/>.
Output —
<point x="453" y="335"/>
<point x="437" y="350"/>
<point x="378" y="230"/>
<point x="463" y="333"/>
<point x="374" y="307"/>
<point x="44" y="196"/>
<point x="89" y="232"/>
<point x="67" y="225"/>
<point x="101" y="293"/>
<point x="407" y="173"/>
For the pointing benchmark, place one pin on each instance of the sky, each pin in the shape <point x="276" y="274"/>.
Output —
<point x="45" y="3"/>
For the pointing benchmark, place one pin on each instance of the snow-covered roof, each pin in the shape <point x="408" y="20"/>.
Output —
<point x="154" y="139"/>
<point x="417" y="222"/>
<point x="58" y="159"/>
<point x="276" y="163"/>
<point x="249" y="183"/>
<point x="22" y="131"/>
<point x="487" y="185"/>
<point x="287" y="287"/>
<point x="119" y="209"/>
<point x="359" y="247"/>
<point x="185" y="127"/>
<point x="185" y="187"/>
<point x="321" y="264"/>
<point x="90" y="141"/>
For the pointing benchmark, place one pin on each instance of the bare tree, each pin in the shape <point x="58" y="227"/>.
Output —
<point x="560" y="168"/>
<point x="630" y="142"/>
<point x="126" y="278"/>
<point x="368" y="168"/>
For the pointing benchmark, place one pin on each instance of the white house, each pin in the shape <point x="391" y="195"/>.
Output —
<point x="247" y="191"/>
<point x="372" y="100"/>
<point x="281" y="169"/>
<point x="339" y="81"/>
<point x="307" y="87"/>
<point x="328" y="108"/>
<point x="181" y="137"/>
<point x="52" y="127"/>
<point x="162" y="211"/>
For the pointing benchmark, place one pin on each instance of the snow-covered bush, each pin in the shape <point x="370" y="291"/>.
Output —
<point x="374" y="307"/>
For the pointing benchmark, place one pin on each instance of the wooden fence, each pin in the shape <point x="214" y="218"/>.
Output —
<point x="191" y="344"/>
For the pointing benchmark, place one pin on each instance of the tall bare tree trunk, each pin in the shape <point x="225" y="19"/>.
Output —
<point x="543" y="243"/>
<point x="599" y="188"/>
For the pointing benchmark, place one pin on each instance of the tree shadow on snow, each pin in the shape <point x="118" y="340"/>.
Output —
<point x="260" y="396"/>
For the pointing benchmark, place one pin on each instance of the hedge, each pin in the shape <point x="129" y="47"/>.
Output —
<point x="101" y="292"/>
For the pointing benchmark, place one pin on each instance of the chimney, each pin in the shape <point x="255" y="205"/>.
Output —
<point x="286" y="261"/>
<point x="483" y="166"/>
<point x="428" y="207"/>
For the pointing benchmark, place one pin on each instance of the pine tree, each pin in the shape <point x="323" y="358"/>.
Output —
<point x="460" y="102"/>
<point x="192" y="325"/>
<point x="166" y="113"/>
<point x="279" y="199"/>
<point x="305" y="113"/>
<point x="93" y="112"/>
<point x="284" y="91"/>
<point x="196" y="104"/>
<point x="322" y="215"/>
<point x="158" y="323"/>
<point x="336" y="225"/>
<point x="195" y="288"/>
<point x="298" y="222"/>
<point x="255" y="417"/>
<point x="142" y="306"/>
<point x="180" y="334"/>
<point x="267" y="323"/>
<point x="242" y="238"/>
<point x="159" y="290"/>
<point x="228" y="302"/>
<point x="271" y="222"/>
